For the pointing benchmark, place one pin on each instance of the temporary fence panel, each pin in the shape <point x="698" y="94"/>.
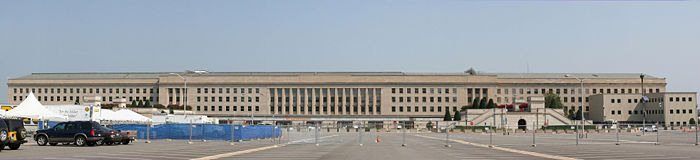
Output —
<point x="201" y="131"/>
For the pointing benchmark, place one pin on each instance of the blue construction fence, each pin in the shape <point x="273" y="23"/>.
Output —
<point x="201" y="131"/>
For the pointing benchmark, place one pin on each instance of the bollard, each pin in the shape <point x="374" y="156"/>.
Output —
<point x="360" y="132"/>
<point x="577" y="135"/>
<point x="533" y="135"/>
<point x="316" y="133"/>
<point x="657" y="136"/>
<point x="232" y="135"/>
<point x="148" y="133"/>
<point x="403" y="144"/>
<point x="617" y="133"/>
<point x="490" y="137"/>
<point x="190" y="140"/>
<point x="447" y="137"/>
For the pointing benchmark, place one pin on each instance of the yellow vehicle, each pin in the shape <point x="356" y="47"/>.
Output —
<point x="12" y="133"/>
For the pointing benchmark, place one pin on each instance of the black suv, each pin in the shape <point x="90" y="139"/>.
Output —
<point x="12" y="133"/>
<point x="78" y="132"/>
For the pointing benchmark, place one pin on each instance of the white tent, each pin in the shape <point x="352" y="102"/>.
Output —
<point x="123" y="115"/>
<point x="129" y="115"/>
<point x="31" y="108"/>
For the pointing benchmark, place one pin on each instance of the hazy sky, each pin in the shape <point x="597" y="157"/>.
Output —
<point x="661" y="38"/>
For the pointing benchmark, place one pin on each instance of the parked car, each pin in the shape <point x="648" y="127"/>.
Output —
<point x="110" y="136"/>
<point x="12" y="133"/>
<point x="80" y="133"/>
<point x="650" y="129"/>
<point x="127" y="136"/>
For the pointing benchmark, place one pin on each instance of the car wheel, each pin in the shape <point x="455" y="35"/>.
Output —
<point x="53" y="144"/>
<point x="14" y="146"/>
<point x="125" y="142"/>
<point x="41" y="140"/>
<point x="80" y="141"/>
<point x="3" y="136"/>
<point x="2" y="146"/>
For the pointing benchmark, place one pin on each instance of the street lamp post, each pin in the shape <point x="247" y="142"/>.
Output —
<point x="583" y="119"/>
<point x="644" y="106"/>
<point x="184" y="91"/>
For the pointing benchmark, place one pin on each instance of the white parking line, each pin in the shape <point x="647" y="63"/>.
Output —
<point x="250" y="150"/>
<point x="507" y="149"/>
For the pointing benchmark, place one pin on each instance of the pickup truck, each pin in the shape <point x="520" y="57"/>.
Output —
<point x="80" y="133"/>
<point x="127" y="136"/>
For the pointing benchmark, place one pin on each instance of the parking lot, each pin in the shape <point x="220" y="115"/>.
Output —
<point x="344" y="145"/>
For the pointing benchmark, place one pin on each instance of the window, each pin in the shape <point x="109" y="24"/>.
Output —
<point x="619" y="112"/>
<point x="613" y="112"/>
<point x="670" y="112"/>
<point x="393" y="108"/>
<point x="629" y="112"/>
<point x="393" y="90"/>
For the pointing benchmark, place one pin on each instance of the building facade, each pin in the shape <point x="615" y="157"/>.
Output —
<point x="669" y="108"/>
<point x="325" y="94"/>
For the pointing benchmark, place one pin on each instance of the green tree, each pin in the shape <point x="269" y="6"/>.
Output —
<point x="133" y="103"/>
<point x="429" y="125"/>
<point x="77" y="102"/>
<point x="171" y="111"/>
<point x="482" y="104"/>
<point x="464" y="108"/>
<point x="147" y="105"/>
<point x="448" y="116"/>
<point x="552" y="100"/>
<point x="475" y="103"/>
<point x="572" y="115"/>
<point x="491" y="104"/>
<point x="140" y="105"/>
<point x="457" y="117"/>
<point x="578" y="114"/>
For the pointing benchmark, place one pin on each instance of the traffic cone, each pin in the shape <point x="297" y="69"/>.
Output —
<point x="378" y="139"/>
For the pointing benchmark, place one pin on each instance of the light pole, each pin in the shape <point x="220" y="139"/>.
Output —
<point x="583" y="119"/>
<point x="644" y="106"/>
<point x="184" y="91"/>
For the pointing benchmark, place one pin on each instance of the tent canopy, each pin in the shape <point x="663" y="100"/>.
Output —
<point x="123" y="115"/>
<point x="31" y="108"/>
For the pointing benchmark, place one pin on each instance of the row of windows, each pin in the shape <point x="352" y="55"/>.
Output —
<point x="425" y="90"/>
<point x="424" y="108"/>
<point x="228" y="108"/>
<point x="424" y="99"/>
<point x="325" y="109"/>
<point x="227" y="90"/>
<point x="678" y="111"/>
<point x="227" y="99"/>
<point x="72" y="98"/>
<point x="571" y="91"/>
<point x="671" y="99"/>
<point x="325" y="94"/>
<point x="85" y="90"/>
<point x="679" y="99"/>
<point x="579" y="108"/>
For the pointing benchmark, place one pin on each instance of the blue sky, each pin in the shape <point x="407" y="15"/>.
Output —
<point x="661" y="38"/>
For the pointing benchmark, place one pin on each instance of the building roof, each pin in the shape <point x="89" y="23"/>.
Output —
<point x="563" y="75"/>
<point x="153" y="75"/>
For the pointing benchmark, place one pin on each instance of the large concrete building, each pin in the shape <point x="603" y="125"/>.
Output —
<point x="668" y="109"/>
<point x="325" y="94"/>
